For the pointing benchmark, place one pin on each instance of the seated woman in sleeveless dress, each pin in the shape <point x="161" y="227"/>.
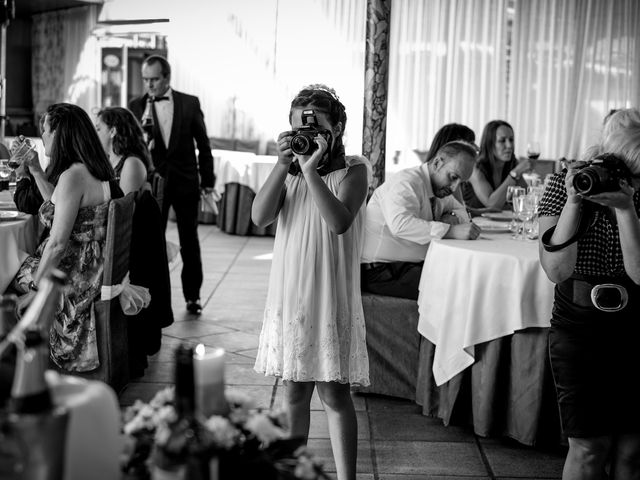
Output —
<point x="496" y="169"/>
<point x="76" y="202"/>
<point x="122" y="139"/>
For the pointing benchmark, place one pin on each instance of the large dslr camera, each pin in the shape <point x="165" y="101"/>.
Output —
<point x="602" y="174"/>
<point x="302" y="142"/>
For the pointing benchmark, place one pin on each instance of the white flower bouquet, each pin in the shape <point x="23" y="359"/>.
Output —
<point x="248" y="442"/>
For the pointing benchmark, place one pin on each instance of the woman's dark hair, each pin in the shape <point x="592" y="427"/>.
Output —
<point x="449" y="133"/>
<point x="75" y="141"/>
<point x="488" y="148"/>
<point x="323" y="99"/>
<point x="128" y="140"/>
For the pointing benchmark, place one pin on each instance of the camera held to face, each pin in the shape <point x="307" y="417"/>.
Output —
<point x="602" y="174"/>
<point x="303" y="143"/>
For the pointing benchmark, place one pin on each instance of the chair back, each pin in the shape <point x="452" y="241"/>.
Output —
<point x="111" y="322"/>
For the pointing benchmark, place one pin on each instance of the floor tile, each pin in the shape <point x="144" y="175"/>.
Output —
<point x="320" y="426"/>
<point x="321" y="449"/>
<point x="393" y="425"/>
<point x="245" y="375"/>
<point x="429" y="458"/>
<point x="432" y="477"/>
<point x="231" y="341"/>
<point x="390" y="404"/>
<point x="194" y="328"/>
<point x="508" y="459"/>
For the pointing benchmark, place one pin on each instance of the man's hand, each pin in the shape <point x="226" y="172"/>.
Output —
<point x="450" y="218"/>
<point x="463" y="231"/>
<point x="211" y="191"/>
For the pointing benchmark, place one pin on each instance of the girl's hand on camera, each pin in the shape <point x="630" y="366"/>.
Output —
<point x="620" y="199"/>
<point x="285" y="155"/>
<point x="309" y="163"/>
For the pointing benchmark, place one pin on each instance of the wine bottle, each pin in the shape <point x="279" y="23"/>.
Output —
<point x="34" y="421"/>
<point x="147" y="121"/>
<point x="30" y="392"/>
<point x="186" y="453"/>
<point x="8" y="321"/>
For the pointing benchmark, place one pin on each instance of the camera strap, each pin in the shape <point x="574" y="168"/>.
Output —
<point x="586" y="219"/>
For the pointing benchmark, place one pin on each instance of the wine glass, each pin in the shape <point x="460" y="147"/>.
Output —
<point x="533" y="150"/>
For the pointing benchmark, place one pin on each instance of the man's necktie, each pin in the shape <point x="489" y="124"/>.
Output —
<point x="159" y="99"/>
<point x="432" y="200"/>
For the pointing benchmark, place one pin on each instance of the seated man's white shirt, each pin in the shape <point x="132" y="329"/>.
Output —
<point x="400" y="221"/>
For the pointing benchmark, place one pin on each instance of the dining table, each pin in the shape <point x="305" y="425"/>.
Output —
<point x="239" y="176"/>
<point x="484" y="312"/>
<point x="18" y="238"/>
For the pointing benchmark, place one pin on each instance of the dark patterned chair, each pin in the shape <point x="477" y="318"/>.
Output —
<point x="111" y="322"/>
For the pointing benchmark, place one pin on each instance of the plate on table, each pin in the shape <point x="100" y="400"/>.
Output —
<point x="504" y="216"/>
<point x="8" y="215"/>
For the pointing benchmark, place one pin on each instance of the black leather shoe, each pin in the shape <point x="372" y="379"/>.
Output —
<point x="194" y="307"/>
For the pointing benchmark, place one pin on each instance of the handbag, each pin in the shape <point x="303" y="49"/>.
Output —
<point x="208" y="208"/>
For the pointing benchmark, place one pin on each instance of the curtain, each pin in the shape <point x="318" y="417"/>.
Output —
<point x="64" y="59"/>
<point x="448" y="64"/>
<point x="572" y="61"/>
<point x="253" y="57"/>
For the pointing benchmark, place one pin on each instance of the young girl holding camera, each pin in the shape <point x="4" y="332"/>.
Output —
<point x="313" y="333"/>
<point x="591" y="249"/>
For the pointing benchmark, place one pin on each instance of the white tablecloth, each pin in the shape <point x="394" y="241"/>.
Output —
<point x="18" y="239"/>
<point x="479" y="290"/>
<point x="245" y="168"/>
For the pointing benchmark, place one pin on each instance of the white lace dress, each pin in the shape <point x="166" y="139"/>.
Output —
<point x="313" y="326"/>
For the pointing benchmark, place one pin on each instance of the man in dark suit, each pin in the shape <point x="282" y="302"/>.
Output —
<point x="177" y="121"/>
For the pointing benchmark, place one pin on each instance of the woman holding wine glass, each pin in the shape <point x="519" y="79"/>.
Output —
<point x="30" y="176"/>
<point x="496" y="169"/>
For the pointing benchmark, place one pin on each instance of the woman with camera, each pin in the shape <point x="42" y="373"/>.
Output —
<point x="591" y="249"/>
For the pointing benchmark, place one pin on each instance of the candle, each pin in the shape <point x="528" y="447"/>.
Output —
<point x="208" y="372"/>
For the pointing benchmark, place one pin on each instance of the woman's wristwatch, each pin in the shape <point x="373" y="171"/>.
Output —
<point x="514" y="175"/>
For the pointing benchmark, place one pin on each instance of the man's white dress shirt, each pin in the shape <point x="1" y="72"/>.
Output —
<point x="164" y="114"/>
<point x="400" y="221"/>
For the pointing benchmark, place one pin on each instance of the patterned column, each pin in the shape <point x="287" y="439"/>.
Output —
<point x="376" y="79"/>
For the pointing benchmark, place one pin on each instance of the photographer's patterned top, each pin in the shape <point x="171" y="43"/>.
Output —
<point x="313" y="326"/>
<point x="599" y="251"/>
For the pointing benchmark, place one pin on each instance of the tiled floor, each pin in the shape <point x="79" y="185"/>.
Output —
<point x="395" y="441"/>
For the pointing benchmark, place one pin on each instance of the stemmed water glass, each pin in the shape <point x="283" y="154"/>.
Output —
<point x="524" y="207"/>
<point x="513" y="192"/>
<point x="5" y="173"/>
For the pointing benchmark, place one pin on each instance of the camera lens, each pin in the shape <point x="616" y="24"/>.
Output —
<point x="301" y="144"/>
<point x="584" y="182"/>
